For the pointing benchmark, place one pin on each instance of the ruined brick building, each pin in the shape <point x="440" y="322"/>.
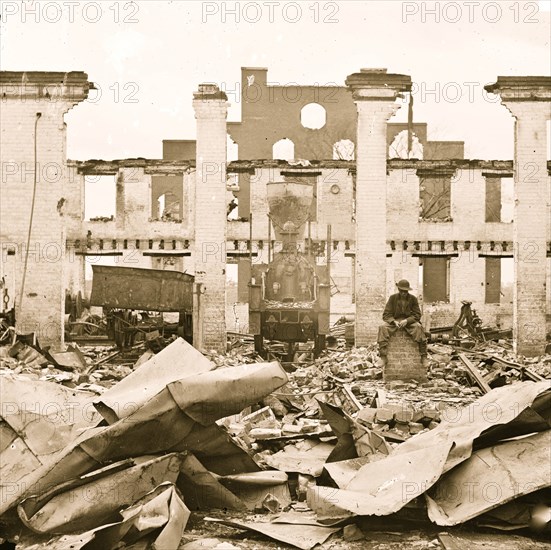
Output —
<point x="437" y="220"/>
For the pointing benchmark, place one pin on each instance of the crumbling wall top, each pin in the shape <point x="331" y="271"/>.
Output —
<point x="44" y="77"/>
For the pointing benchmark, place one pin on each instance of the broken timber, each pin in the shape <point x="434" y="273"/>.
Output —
<point x="475" y="374"/>
<point x="526" y="371"/>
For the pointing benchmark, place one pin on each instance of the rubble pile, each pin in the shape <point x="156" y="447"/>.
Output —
<point x="233" y="358"/>
<point x="95" y="366"/>
<point x="117" y="453"/>
<point x="352" y="380"/>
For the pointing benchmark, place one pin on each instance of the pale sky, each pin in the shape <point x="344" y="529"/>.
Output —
<point x="149" y="63"/>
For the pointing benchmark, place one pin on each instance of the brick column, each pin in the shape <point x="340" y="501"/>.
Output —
<point x="34" y="162"/>
<point x="374" y="93"/>
<point x="211" y="108"/>
<point x="528" y="99"/>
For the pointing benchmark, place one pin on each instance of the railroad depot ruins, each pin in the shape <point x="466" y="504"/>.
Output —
<point x="388" y="215"/>
<point x="317" y="441"/>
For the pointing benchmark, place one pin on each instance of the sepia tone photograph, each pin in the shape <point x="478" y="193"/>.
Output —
<point x="275" y="275"/>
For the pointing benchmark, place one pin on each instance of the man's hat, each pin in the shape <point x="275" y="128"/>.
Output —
<point x="403" y="285"/>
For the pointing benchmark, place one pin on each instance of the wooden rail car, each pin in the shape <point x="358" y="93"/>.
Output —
<point x="125" y="291"/>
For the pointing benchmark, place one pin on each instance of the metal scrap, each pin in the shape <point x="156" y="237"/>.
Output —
<point x="250" y="437"/>
<point x="386" y="486"/>
<point x="490" y="477"/>
<point x="304" y="536"/>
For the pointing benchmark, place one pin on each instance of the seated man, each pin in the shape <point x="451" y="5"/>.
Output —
<point x="402" y="311"/>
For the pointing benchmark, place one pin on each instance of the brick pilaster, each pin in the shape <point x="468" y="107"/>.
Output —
<point x="133" y="199"/>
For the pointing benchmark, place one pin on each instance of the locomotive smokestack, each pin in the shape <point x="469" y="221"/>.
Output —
<point x="289" y="204"/>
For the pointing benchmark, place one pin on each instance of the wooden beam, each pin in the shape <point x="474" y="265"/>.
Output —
<point x="475" y="374"/>
<point x="526" y="371"/>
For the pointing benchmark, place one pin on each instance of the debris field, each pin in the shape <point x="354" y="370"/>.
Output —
<point x="177" y="449"/>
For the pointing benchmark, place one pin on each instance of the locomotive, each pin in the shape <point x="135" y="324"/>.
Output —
<point x="289" y="297"/>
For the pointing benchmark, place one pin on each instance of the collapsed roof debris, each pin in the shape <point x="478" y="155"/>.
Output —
<point x="323" y="448"/>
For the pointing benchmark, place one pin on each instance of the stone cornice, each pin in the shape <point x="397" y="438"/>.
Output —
<point x="43" y="77"/>
<point x="71" y="86"/>
<point x="522" y="88"/>
<point x="373" y="85"/>
<point x="209" y="92"/>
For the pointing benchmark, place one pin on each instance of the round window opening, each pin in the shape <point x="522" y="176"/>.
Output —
<point x="313" y="116"/>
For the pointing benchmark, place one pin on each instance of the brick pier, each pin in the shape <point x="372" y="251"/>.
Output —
<point x="33" y="144"/>
<point x="211" y="108"/>
<point x="404" y="360"/>
<point x="528" y="99"/>
<point x="375" y="93"/>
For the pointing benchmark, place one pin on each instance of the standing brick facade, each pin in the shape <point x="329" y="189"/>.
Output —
<point x="210" y="213"/>
<point x="33" y="160"/>
<point x="374" y="94"/>
<point x="390" y="240"/>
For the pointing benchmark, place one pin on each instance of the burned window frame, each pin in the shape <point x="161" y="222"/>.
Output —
<point x="494" y="197"/>
<point x="434" y="212"/>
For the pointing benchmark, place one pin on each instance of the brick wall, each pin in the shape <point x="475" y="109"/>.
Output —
<point x="468" y="207"/>
<point x="258" y="201"/>
<point x="335" y="194"/>
<point x="467" y="270"/>
<point x="272" y="112"/>
<point x="402" y="265"/>
<point x="528" y="99"/>
<point x="133" y="199"/>
<point x="132" y="233"/>
<point x="467" y="277"/>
